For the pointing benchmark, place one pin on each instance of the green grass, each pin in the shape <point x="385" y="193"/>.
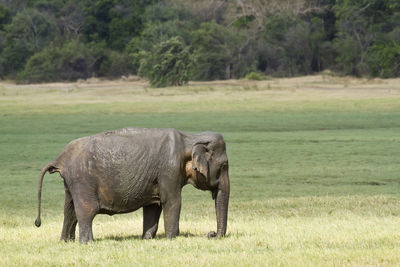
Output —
<point x="314" y="174"/>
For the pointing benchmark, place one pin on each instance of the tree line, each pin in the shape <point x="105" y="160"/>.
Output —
<point x="173" y="41"/>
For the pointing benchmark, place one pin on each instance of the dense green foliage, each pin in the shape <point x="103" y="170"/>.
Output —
<point x="71" y="61"/>
<point x="167" y="64"/>
<point x="225" y="39"/>
<point x="368" y="36"/>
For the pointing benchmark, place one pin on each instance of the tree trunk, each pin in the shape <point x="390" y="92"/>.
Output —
<point x="228" y="72"/>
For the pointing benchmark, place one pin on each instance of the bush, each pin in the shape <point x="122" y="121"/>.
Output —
<point x="41" y="67"/>
<point x="72" y="61"/>
<point x="28" y="33"/>
<point x="384" y="60"/>
<point x="116" y="64"/>
<point x="5" y="16"/>
<point x="255" y="76"/>
<point x="288" y="45"/>
<point x="167" y="64"/>
<point x="349" y="54"/>
<point x="218" y="53"/>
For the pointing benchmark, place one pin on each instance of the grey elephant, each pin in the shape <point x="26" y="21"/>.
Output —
<point x="123" y="170"/>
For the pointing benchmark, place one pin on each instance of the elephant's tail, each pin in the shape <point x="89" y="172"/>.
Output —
<point x="50" y="168"/>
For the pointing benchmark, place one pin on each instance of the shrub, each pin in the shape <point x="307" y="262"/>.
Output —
<point x="28" y="33"/>
<point x="384" y="60"/>
<point x="218" y="53"/>
<point x="72" y="61"/>
<point x="255" y="76"/>
<point x="166" y="64"/>
<point x="116" y="64"/>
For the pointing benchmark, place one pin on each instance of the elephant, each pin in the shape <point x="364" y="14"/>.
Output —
<point x="123" y="170"/>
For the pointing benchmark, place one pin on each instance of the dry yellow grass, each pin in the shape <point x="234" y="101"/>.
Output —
<point x="136" y="96"/>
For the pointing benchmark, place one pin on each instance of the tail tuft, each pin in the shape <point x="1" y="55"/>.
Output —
<point x="38" y="222"/>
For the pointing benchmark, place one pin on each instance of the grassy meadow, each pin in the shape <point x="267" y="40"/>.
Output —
<point x="314" y="169"/>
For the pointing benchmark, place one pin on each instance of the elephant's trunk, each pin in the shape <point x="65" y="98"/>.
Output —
<point x="221" y="203"/>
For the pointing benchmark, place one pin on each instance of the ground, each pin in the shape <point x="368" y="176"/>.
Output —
<point x="314" y="168"/>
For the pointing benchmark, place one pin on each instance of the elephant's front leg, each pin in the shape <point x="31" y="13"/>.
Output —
<point x="70" y="221"/>
<point x="172" y="210"/>
<point x="151" y="215"/>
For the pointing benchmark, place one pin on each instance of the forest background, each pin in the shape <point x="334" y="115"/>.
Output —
<point x="60" y="40"/>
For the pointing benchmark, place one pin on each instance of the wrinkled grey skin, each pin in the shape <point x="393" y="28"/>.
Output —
<point x="123" y="170"/>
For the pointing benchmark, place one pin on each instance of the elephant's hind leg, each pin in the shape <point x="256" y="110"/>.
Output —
<point x="70" y="221"/>
<point x="86" y="208"/>
<point x="151" y="216"/>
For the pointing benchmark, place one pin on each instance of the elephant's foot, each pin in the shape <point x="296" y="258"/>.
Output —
<point x="148" y="235"/>
<point x="67" y="239"/>
<point x="211" y="234"/>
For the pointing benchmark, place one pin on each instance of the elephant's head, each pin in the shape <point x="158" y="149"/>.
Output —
<point x="208" y="170"/>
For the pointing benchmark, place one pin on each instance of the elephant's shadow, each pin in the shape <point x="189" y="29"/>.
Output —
<point x="139" y="237"/>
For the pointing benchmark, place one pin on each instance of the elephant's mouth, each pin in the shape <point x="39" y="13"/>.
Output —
<point x="195" y="178"/>
<point x="214" y="193"/>
<point x="198" y="180"/>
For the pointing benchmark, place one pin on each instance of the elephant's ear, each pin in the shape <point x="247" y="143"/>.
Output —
<point x="199" y="159"/>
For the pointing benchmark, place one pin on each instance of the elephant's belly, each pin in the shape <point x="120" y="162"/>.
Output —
<point x="122" y="200"/>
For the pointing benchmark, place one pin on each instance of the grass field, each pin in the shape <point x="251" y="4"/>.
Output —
<point x="314" y="169"/>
